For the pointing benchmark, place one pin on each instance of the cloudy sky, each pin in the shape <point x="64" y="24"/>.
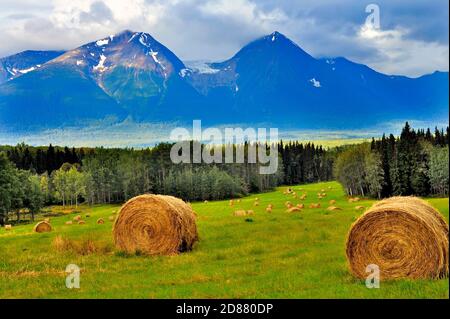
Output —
<point x="412" y="37"/>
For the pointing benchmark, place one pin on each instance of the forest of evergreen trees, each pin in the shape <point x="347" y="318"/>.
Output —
<point x="416" y="162"/>
<point x="70" y="176"/>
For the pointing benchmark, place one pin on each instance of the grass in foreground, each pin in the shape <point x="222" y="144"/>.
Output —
<point x="278" y="255"/>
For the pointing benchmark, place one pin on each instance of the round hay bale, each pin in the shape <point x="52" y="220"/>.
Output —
<point x="111" y="218"/>
<point x="405" y="236"/>
<point x="81" y="222"/>
<point x="77" y="218"/>
<point x="313" y="205"/>
<point x="293" y="209"/>
<point x="8" y="227"/>
<point x="69" y="222"/>
<point x="155" y="225"/>
<point x="333" y="208"/>
<point x="269" y="209"/>
<point x="301" y="206"/>
<point x="42" y="227"/>
<point x="231" y="202"/>
<point x="240" y="213"/>
<point x="100" y="221"/>
<point x="250" y="212"/>
<point x="332" y="202"/>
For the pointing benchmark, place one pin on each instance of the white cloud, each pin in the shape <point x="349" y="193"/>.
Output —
<point x="397" y="53"/>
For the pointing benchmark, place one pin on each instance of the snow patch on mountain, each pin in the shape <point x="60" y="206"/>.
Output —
<point x="27" y="70"/>
<point x="100" y="67"/>
<point x="315" y="83"/>
<point x="201" y="67"/>
<point x="101" y="43"/>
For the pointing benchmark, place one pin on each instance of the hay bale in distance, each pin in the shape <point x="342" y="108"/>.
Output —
<point x="404" y="236"/>
<point x="77" y="218"/>
<point x="293" y="209"/>
<point x="333" y="208"/>
<point x="111" y="218"/>
<point x="8" y="227"/>
<point x="155" y="225"/>
<point x="313" y="205"/>
<point x="359" y="207"/>
<point x="100" y="221"/>
<point x="240" y="213"/>
<point x="81" y="222"/>
<point x="301" y="206"/>
<point x="42" y="227"/>
<point x="69" y="222"/>
<point x="269" y="209"/>
<point x="332" y="202"/>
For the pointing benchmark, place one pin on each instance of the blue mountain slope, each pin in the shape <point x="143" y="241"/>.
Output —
<point x="272" y="79"/>
<point x="16" y="65"/>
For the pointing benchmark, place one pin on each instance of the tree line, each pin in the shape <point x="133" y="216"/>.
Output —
<point x="415" y="163"/>
<point x="100" y="175"/>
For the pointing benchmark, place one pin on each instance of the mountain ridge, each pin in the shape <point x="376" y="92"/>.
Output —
<point x="272" y="79"/>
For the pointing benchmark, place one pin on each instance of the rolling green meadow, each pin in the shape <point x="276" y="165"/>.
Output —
<point x="268" y="255"/>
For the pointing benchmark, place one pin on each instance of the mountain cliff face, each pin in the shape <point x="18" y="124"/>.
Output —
<point x="270" y="80"/>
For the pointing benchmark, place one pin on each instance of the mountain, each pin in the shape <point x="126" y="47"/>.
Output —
<point x="129" y="74"/>
<point x="24" y="62"/>
<point x="271" y="80"/>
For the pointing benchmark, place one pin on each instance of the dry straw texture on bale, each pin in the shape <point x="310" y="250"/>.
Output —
<point x="69" y="222"/>
<point x="81" y="222"/>
<point x="42" y="227"/>
<point x="404" y="236"/>
<point x="8" y="227"/>
<point x="100" y="221"/>
<point x="155" y="225"/>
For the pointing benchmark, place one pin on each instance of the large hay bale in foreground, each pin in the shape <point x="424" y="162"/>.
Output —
<point x="42" y="227"/>
<point x="404" y="236"/>
<point x="155" y="225"/>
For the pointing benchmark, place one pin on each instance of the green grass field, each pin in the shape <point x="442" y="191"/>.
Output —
<point x="277" y="255"/>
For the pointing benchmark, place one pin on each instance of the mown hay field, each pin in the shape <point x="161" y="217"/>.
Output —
<point x="265" y="255"/>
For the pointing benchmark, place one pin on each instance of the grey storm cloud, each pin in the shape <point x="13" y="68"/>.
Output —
<point x="413" y="38"/>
